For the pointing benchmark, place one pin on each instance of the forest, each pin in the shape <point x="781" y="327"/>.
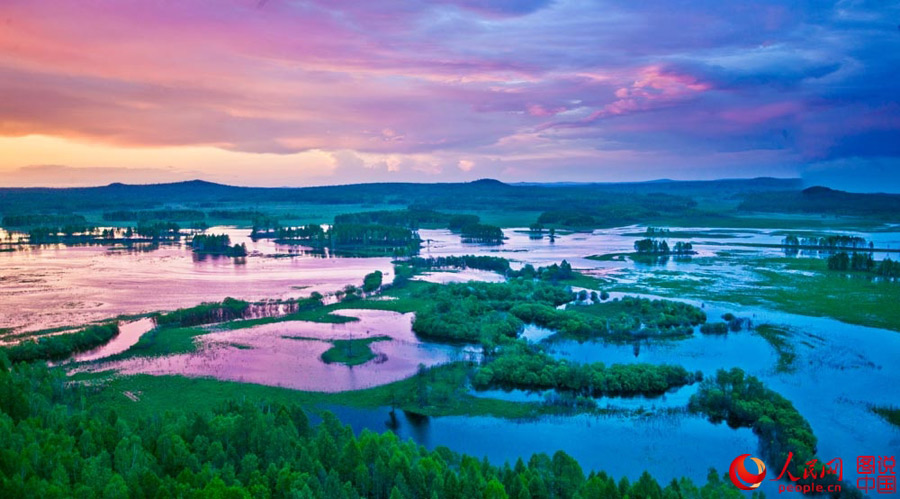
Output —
<point x="55" y="446"/>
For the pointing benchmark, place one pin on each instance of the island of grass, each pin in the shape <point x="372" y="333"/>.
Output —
<point x="348" y="352"/>
<point x="351" y="352"/>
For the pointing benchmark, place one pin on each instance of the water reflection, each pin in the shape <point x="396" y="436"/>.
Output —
<point x="89" y="283"/>
<point x="286" y="354"/>
<point x="129" y="334"/>
<point x="668" y="445"/>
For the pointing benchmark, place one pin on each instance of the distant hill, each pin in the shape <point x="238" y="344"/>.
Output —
<point x="570" y="204"/>
<point x="825" y="201"/>
<point x="445" y="195"/>
<point x="688" y="187"/>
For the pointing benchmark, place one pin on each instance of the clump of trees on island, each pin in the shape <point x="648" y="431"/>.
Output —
<point x="714" y="328"/>
<point x="313" y="233"/>
<point x="371" y="282"/>
<point x="731" y="323"/>
<point x="217" y="244"/>
<point x="395" y="231"/>
<point x="488" y="312"/>
<point x="553" y="273"/>
<point x="743" y="401"/>
<point x="158" y="231"/>
<point x="536" y="371"/>
<point x="481" y="233"/>
<point x="399" y="240"/>
<point x="650" y="246"/>
<point x="491" y="263"/>
<point x="350" y="235"/>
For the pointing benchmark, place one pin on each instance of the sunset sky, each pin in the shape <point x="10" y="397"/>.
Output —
<point x="282" y="92"/>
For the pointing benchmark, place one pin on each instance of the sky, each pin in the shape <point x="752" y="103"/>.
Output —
<point x="284" y="92"/>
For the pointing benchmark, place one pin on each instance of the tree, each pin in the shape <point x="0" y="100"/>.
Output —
<point x="495" y="490"/>
<point x="372" y="281"/>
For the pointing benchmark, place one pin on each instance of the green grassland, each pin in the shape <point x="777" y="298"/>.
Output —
<point x="797" y="285"/>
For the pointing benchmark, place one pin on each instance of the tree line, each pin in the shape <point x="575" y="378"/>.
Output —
<point x="828" y="242"/>
<point x="62" y="346"/>
<point x="863" y="262"/>
<point x="44" y="219"/>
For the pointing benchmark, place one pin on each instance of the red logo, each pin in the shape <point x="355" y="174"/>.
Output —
<point x="743" y="479"/>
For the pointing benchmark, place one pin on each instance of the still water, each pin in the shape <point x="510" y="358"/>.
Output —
<point x="288" y="354"/>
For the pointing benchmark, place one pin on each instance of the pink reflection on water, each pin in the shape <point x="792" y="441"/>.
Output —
<point x="44" y="287"/>
<point x="129" y="334"/>
<point x="264" y="355"/>
<point x="457" y="276"/>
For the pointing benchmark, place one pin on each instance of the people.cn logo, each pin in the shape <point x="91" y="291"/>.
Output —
<point x="741" y="477"/>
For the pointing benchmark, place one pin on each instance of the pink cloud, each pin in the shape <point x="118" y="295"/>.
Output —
<point x="763" y="113"/>
<point x="639" y="90"/>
